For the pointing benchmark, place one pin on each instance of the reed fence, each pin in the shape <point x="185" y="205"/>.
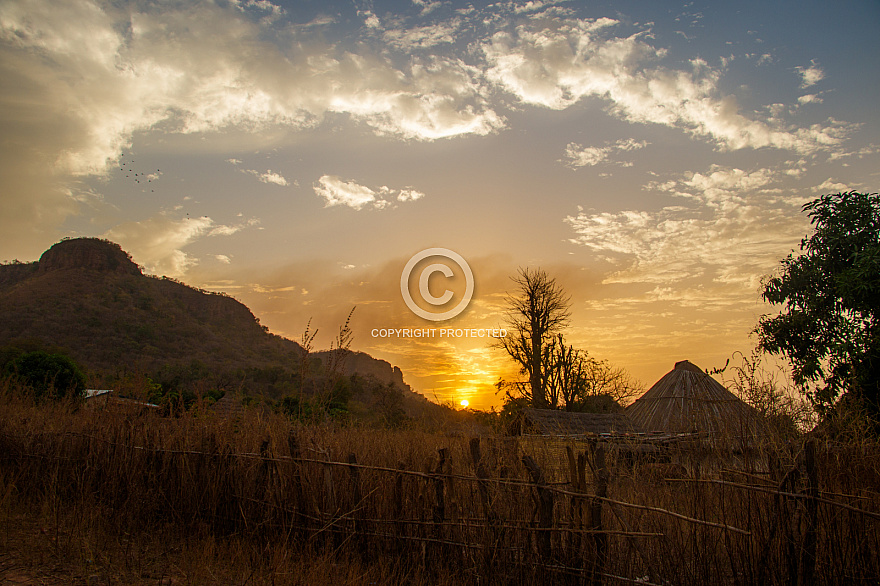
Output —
<point x="484" y="510"/>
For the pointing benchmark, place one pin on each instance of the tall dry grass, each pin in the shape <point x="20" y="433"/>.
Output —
<point x="126" y="496"/>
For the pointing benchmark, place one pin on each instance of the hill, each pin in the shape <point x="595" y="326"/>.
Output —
<point x="88" y="298"/>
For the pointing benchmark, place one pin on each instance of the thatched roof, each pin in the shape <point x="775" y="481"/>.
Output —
<point x="564" y="423"/>
<point x="228" y="407"/>
<point x="687" y="399"/>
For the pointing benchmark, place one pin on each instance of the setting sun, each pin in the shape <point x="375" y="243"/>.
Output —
<point x="630" y="144"/>
<point x="464" y="403"/>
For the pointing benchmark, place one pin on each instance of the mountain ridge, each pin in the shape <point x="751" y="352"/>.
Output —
<point x="88" y="297"/>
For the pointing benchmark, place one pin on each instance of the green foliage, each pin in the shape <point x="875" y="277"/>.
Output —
<point x="312" y="409"/>
<point x="47" y="375"/>
<point x="829" y="323"/>
<point x="388" y="404"/>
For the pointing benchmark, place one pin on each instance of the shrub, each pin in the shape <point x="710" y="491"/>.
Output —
<point x="48" y="375"/>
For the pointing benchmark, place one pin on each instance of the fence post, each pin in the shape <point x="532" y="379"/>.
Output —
<point x="267" y="473"/>
<point x="330" y="514"/>
<point x="357" y="499"/>
<point x="788" y="518"/>
<point x="439" y="499"/>
<point x="807" y="573"/>
<point x="509" y="452"/>
<point x="399" y="525"/>
<point x="601" y="476"/>
<point x="482" y="475"/>
<point x="545" y="508"/>
<point x="483" y="488"/>
<point x="577" y="476"/>
<point x="293" y="445"/>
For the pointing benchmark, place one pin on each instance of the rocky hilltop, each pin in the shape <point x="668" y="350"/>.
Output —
<point x="365" y="365"/>
<point x="88" y="298"/>
<point x="89" y="254"/>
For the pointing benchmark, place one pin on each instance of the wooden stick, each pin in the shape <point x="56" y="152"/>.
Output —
<point x="796" y="495"/>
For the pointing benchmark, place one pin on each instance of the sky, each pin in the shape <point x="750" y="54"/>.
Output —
<point x="652" y="157"/>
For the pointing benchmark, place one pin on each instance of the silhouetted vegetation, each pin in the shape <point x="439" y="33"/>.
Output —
<point x="556" y="375"/>
<point x="829" y="324"/>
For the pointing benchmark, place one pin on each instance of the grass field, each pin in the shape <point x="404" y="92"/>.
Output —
<point x="119" y="496"/>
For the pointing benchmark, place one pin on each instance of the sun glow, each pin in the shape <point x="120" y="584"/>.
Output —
<point x="464" y="403"/>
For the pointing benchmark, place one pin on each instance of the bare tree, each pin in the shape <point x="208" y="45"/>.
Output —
<point x="577" y="380"/>
<point x="538" y="311"/>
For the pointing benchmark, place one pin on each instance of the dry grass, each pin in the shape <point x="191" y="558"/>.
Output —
<point x="124" y="497"/>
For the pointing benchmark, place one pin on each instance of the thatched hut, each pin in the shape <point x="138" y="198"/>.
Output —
<point x="687" y="400"/>
<point x="565" y="424"/>
<point x="547" y="434"/>
<point x="228" y="407"/>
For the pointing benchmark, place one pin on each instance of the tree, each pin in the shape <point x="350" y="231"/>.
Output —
<point x="579" y="382"/>
<point x="829" y="324"/>
<point x="559" y="376"/>
<point x="535" y="315"/>
<point x="52" y="375"/>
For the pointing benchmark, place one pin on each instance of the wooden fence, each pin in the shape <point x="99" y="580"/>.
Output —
<point x="484" y="509"/>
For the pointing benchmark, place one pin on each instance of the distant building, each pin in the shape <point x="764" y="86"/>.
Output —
<point x="228" y="407"/>
<point x="109" y="398"/>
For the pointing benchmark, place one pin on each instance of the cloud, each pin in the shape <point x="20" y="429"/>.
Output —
<point x="199" y="67"/>
<point x="811" y="75"/>
<point x="263" y="5"/>
<point x="371" y="20"/>
<point x="268" y="177"/>
<point x="157" y="243"/>
<point x="82" y="78"/>
<point x="409" y="195"/>
<point x="226" y="230"/>
<point x="831" y="186"/>
<point x="861" y="153"/>
<point x="719" y="185"/>
<point x="436" y="97"/>
<point x="427" y="6"/>
<point x="734" y="230"/>
<point x="810" y="99"/>
<point x="423" y="37"/>
<point x="264" y="177"/>
<point x="336" y="192"/>
<point x="557" y="63"/>
<point x="580" y="156"/>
